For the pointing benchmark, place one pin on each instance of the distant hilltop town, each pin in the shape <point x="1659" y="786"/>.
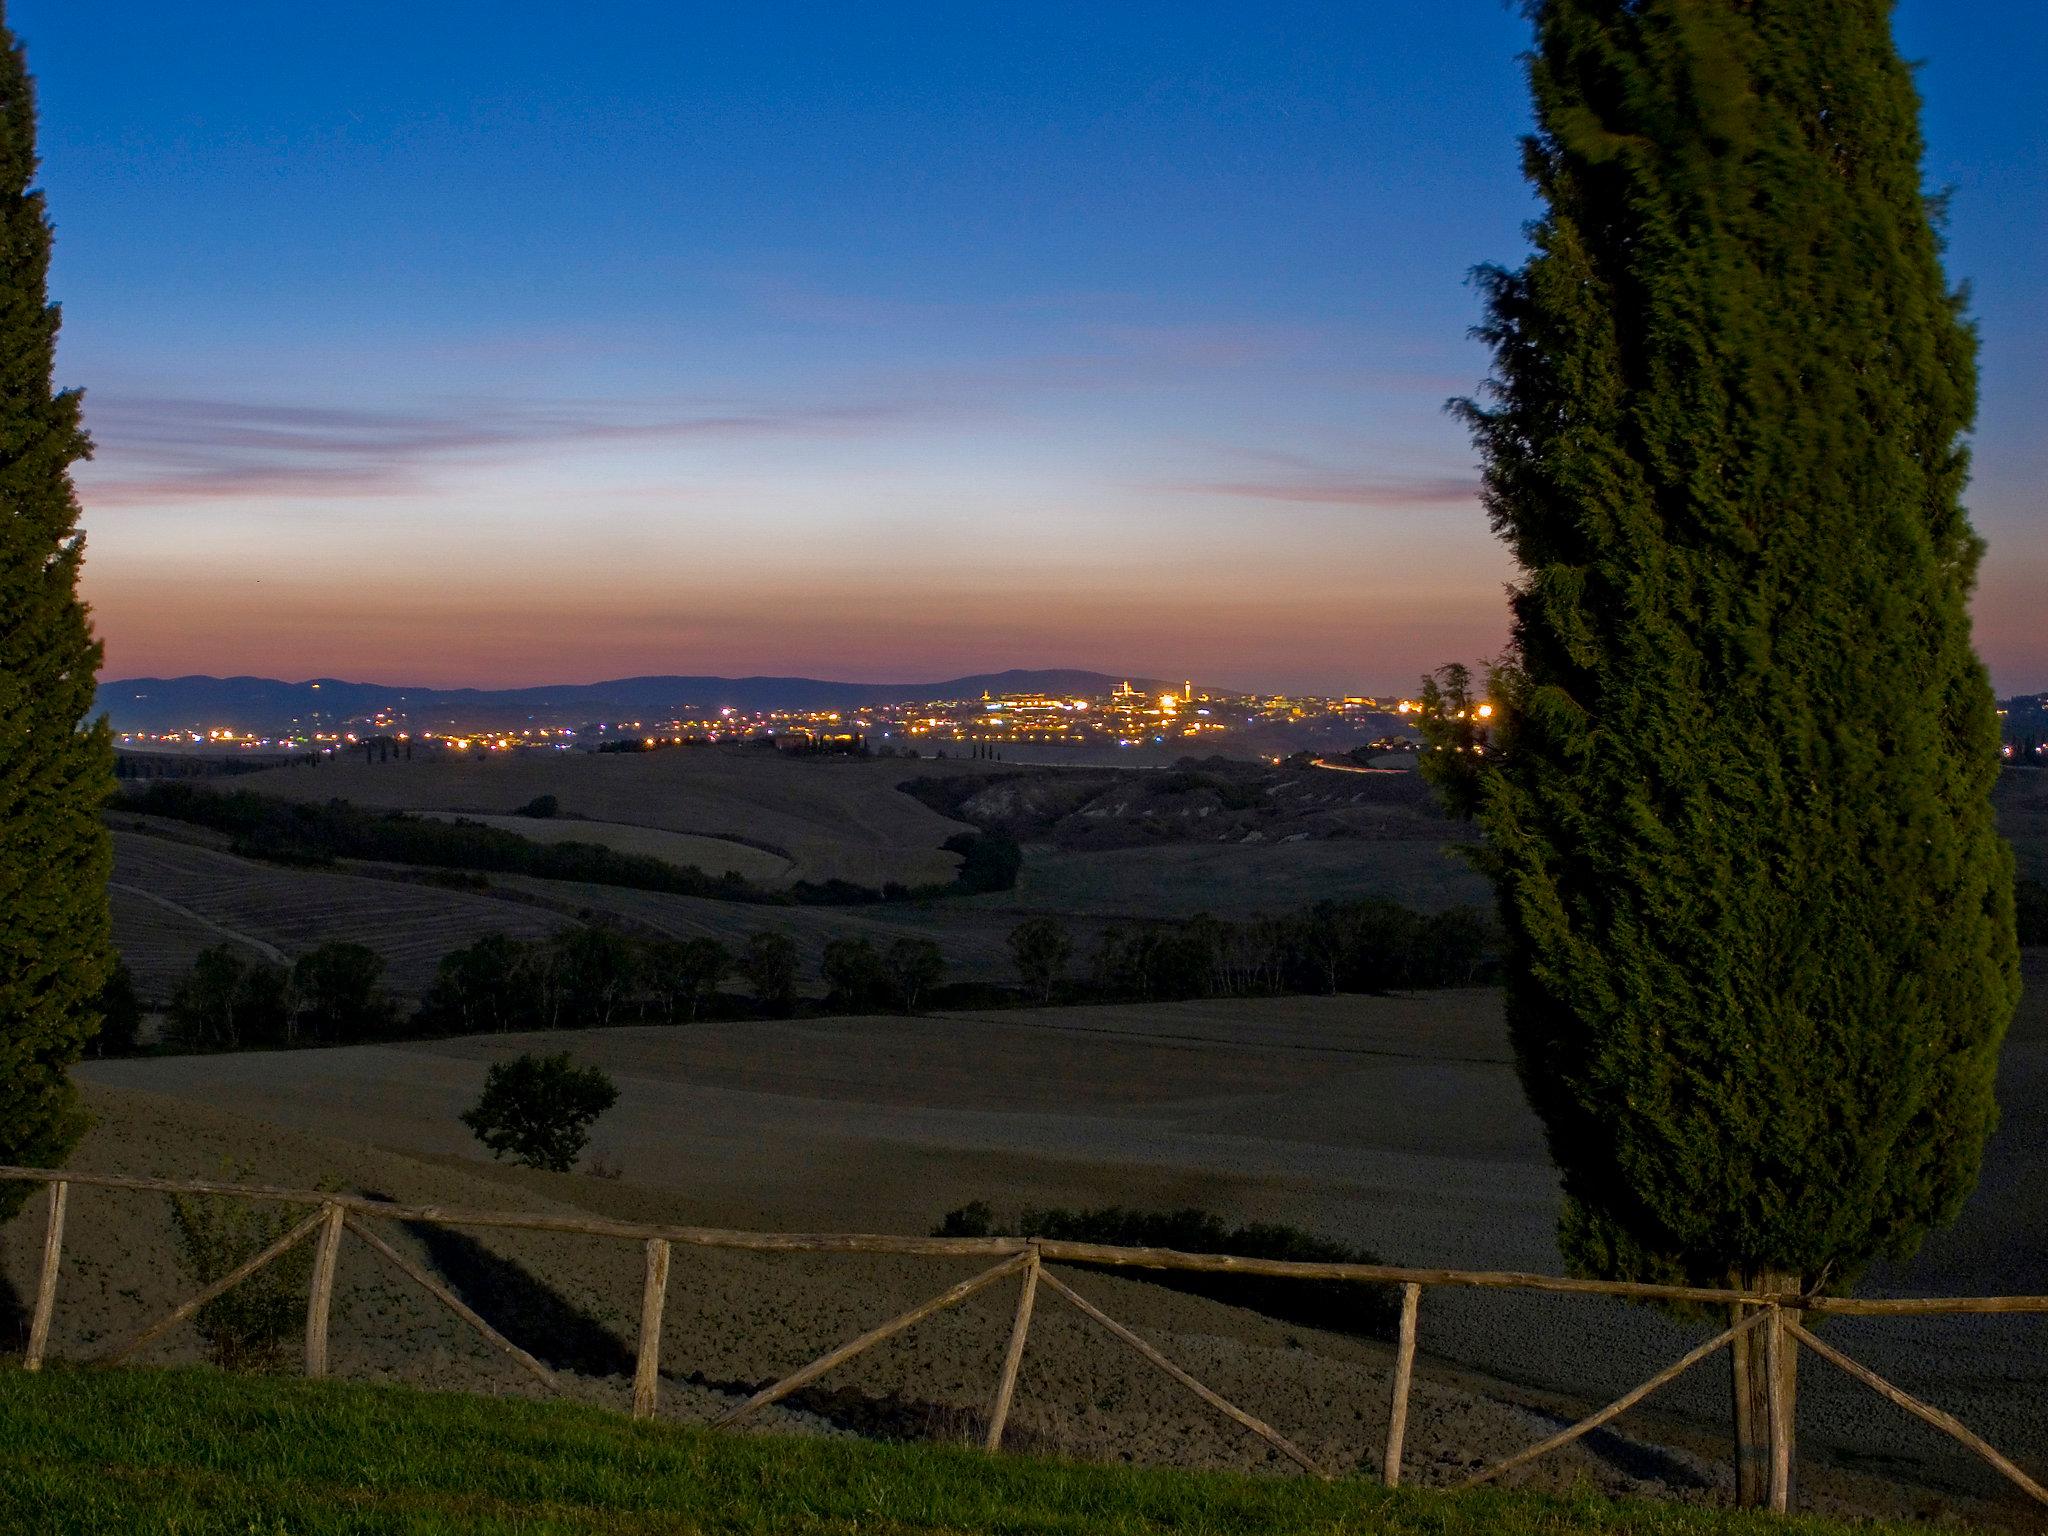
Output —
<point x="1124" y="715"/>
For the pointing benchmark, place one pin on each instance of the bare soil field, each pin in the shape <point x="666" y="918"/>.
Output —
<point x="1237" y="880"/>
<point x="1394" y="1123"/>
<point x="159" y="938"/>
<point x="974" y="939"/>
<point x="173" y="899"/>
<point x="174" y="896"/>
<point x="834" y="818"/>
<point x="713" y="855"/>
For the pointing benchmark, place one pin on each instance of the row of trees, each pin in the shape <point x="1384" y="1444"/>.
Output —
<point x="1366" y="945"/>
<point x="595" y="975"/>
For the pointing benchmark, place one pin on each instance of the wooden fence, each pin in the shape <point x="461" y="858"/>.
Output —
<point x="1777" y="1316"/>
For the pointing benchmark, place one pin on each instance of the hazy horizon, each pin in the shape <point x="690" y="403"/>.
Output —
<point x="471" y="346"/>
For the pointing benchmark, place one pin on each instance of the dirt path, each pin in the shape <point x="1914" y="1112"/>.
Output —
<point x="268" y="951"/>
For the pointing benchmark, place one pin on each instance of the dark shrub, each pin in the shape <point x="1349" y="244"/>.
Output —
<point x="538" y="1110"/>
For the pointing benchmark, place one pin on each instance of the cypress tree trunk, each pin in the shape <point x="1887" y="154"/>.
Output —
<point x="1737" y="803"/>
<point x="55" y="947"/>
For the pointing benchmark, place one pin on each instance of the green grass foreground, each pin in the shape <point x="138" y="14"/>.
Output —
<point x="198" y="1451"/>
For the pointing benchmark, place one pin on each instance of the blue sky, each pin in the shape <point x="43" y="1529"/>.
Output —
<point x="493" y="343"/>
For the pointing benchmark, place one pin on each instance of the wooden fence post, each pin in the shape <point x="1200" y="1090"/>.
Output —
<point x="1778" y="1382"/>
<point x="46" y="1280"/>
<point x="220" y="1287"/>
<point x="1620" y="1405"/>
<point x="1013" y="1360"/>
<point x="1947" y="1423"/>
<point x="320" y="1297"/>
<point x="653" y="1298"/>
<point x="1404" y="1375"/>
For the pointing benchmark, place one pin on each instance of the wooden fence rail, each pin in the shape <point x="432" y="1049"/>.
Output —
<point x="1777" y="1315"/>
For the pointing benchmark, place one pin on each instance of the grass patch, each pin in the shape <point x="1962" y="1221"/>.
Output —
<point x="198" y="1452"/>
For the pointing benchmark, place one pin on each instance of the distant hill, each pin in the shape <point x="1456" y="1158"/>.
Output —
<point x="266" y="704"/>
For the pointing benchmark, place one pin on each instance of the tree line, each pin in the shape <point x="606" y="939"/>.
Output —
<point x="596" y="974"/>
<point x="316" y="833"/>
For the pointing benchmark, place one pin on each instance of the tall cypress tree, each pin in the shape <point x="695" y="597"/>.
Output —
<point x="1737" y="807"/>
<point x="55" y="947"/>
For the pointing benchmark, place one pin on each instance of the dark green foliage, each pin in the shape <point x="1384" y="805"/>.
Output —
<point x="491" y="985"/>
<point x="336" y="994"/>
<point x="913" y="967"/>
<point x="1041" y="948"/>
<point x="855" y="975"/>
<point x="55" y="942"/>
<point x="538" y="1110"/>
<point x="230" y="1002"/>
<point x="1760" y="924"/>
<point x="680" y="974"/>
<point x="593" y="975"/>
<point x="989" y="861"/>
<point x="2031" y="902"/>
<point x="120" y="1012"/>
<point x="1339" y="1305"/>
<point x="1364" y="945"/>
<point x="1454" y="739"/>
<point x="250" y="1326"/>
<point x="540" y="806"/>
<point x="767" y="963"/>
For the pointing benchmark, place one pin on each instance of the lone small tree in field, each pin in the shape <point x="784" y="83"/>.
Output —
<point x="1760" y="924"/>
<point x="539" y="1109"/>
<point x="56" y="946"/>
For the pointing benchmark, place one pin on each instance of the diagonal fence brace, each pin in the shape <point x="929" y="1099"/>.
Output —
<point x="1620" y="1405"/>
<point x="453" y="1303"/>
<point x="1948" y="1424"/>
<point x="220" y="1287"/>
<point x="917" y="1314"/>
<point x="1215" y="1400"/>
